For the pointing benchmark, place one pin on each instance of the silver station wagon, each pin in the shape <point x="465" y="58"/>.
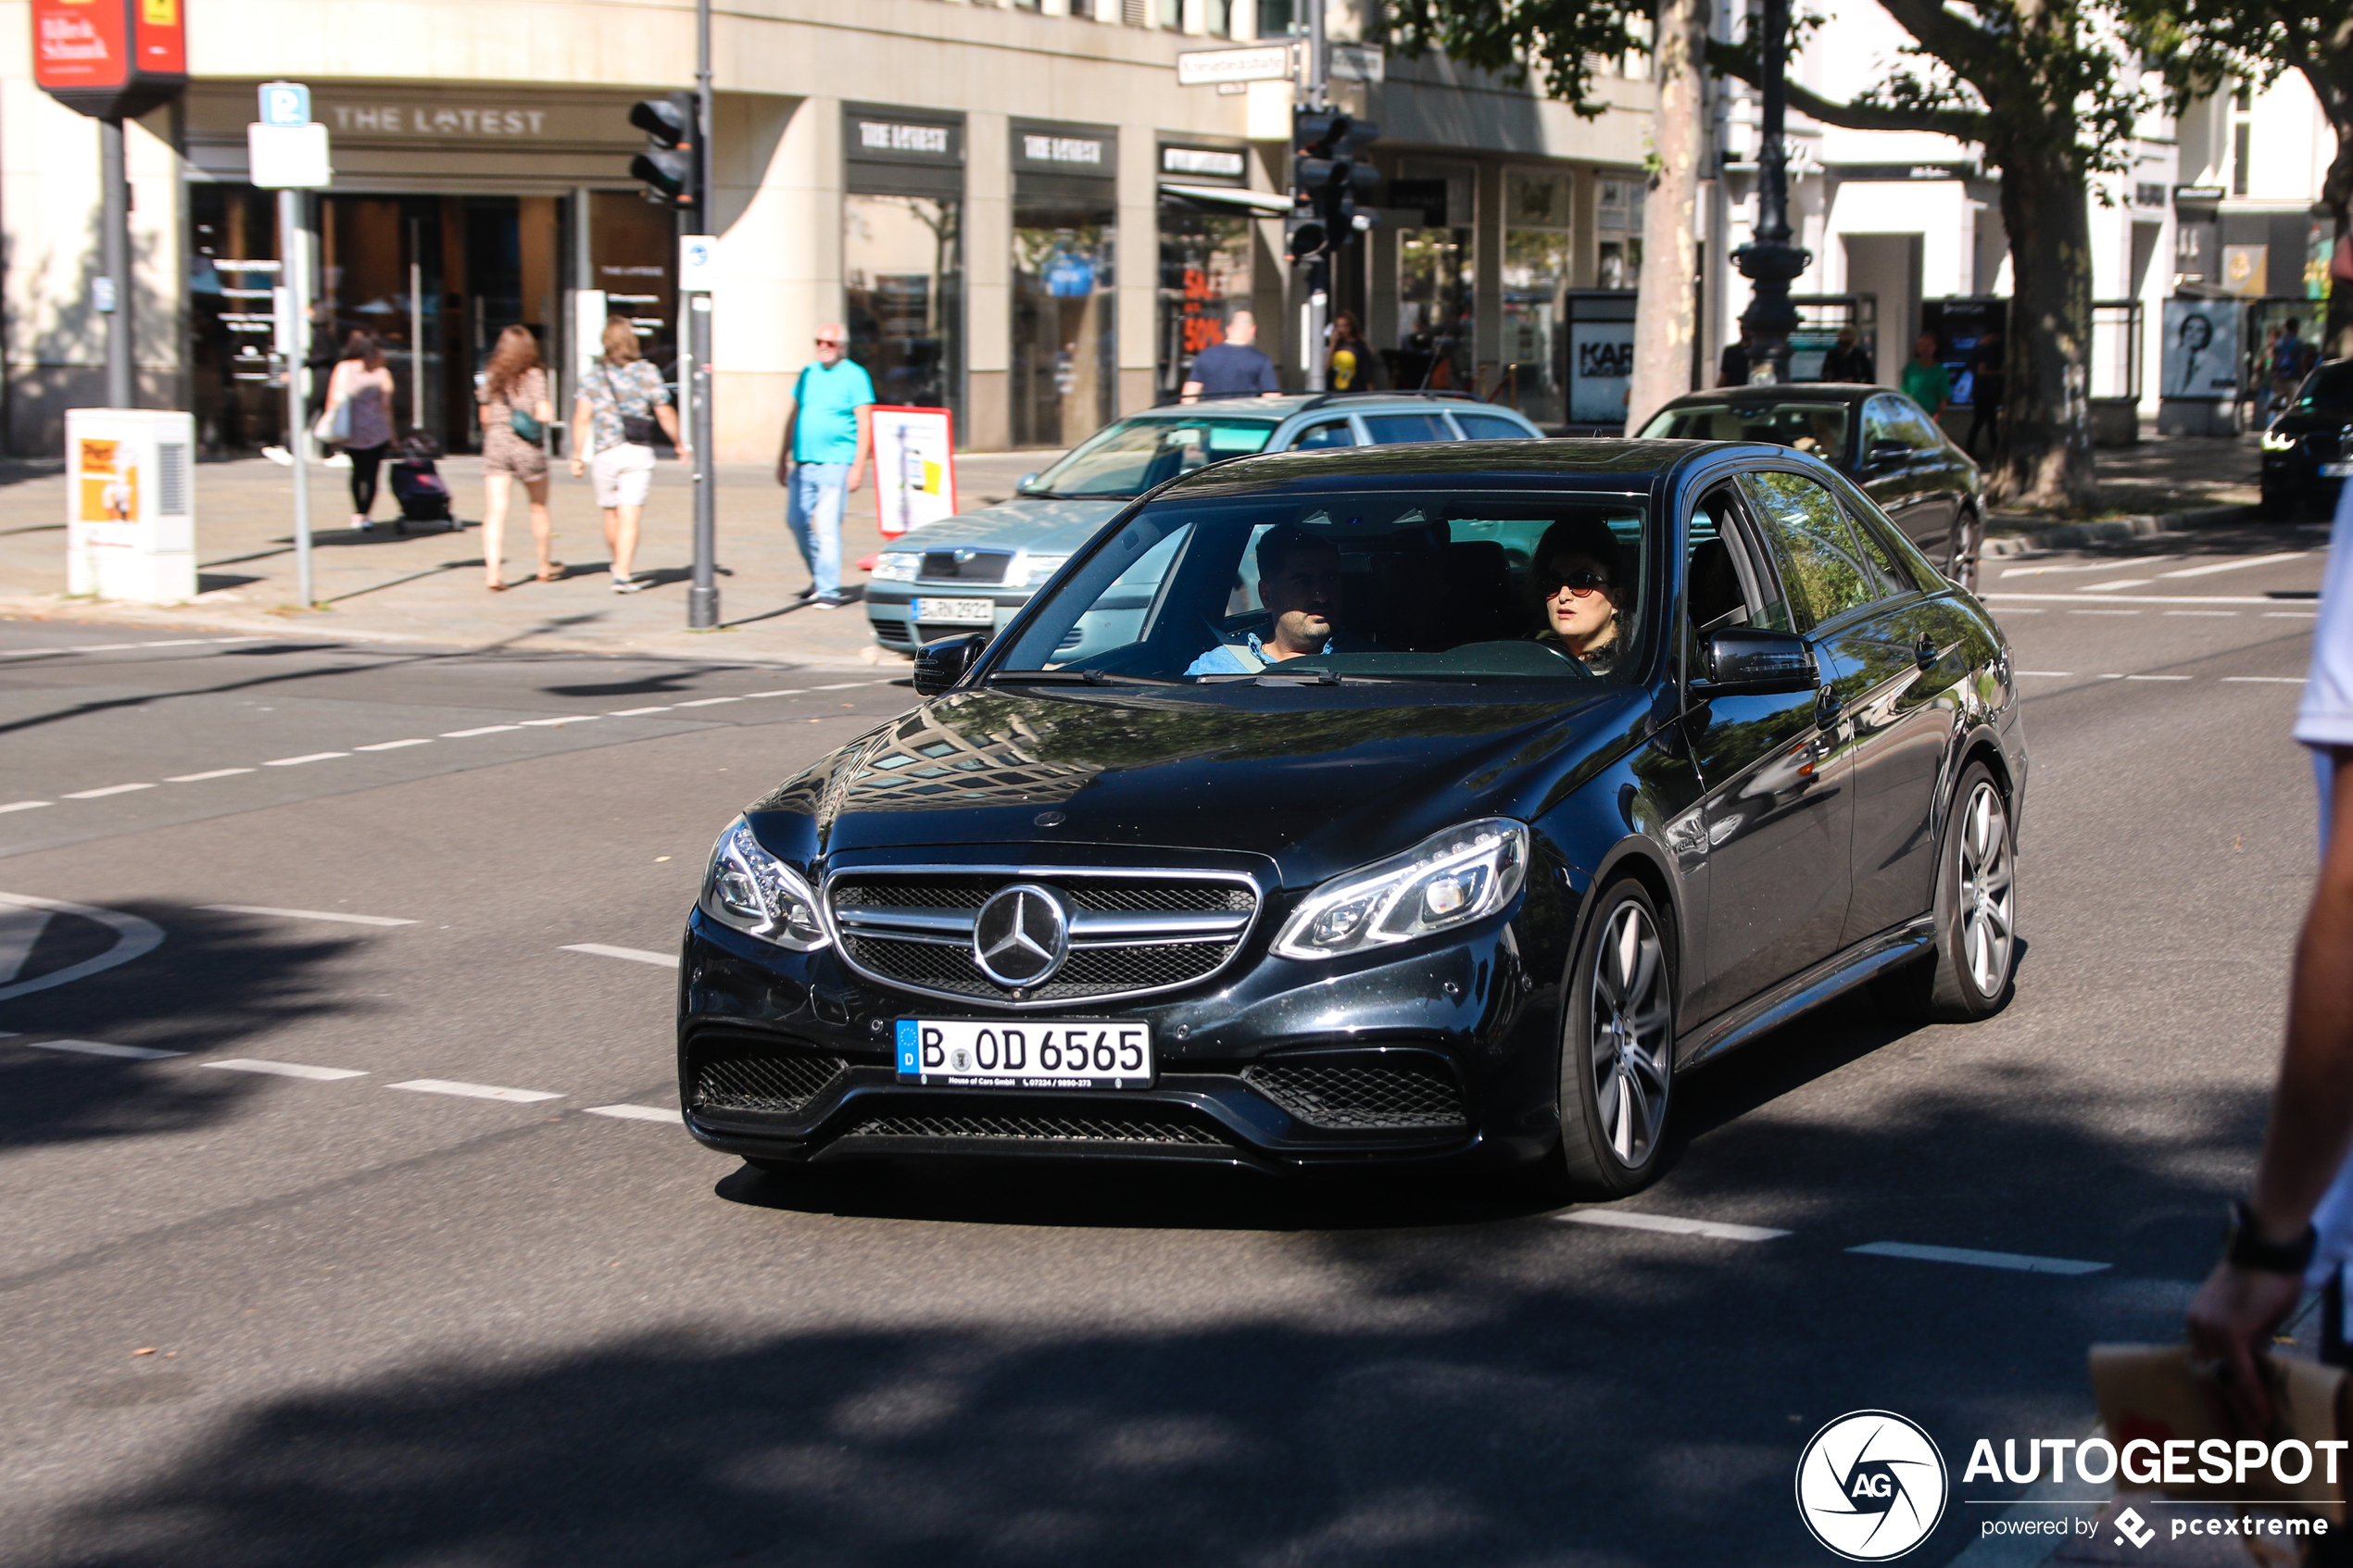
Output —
<point x="974" y="572"/>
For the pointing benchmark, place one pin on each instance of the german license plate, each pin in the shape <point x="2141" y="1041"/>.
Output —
<point x="2336" y="471"/>
<point x="1061" y="1054"/>
<point x="978" y="612"/>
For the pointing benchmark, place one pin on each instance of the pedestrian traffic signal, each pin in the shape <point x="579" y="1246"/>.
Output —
<point x="1331" y="172"/>
<point x="672" y="164"/>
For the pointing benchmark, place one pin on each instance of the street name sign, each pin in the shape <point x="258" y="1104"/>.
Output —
<point x="1263" y="62"/>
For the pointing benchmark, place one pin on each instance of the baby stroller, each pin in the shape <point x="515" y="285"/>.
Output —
<point x="417" y="486"/>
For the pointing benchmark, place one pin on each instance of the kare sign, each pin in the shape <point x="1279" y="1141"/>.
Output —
<point x="109" y="58"/>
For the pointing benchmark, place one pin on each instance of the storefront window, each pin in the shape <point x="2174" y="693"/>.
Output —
<point x="902" y="274"/>
<point x="1063" y="370"/>
<point x="1536" y="274"/>
<point x="232" y="269"/>
<point x="1205" y="278"/>
<point x="1434" y="309"/>
<point x="1619" y="220"/>
<point x="633" y="255"/>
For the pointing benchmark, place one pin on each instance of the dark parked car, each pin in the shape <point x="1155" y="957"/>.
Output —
<point x="1875" y="436"/>
<point x="2307" y="447"/>
<point x="1446" y="802"/>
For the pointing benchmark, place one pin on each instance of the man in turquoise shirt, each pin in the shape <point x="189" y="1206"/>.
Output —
<point x="829" y="433"/>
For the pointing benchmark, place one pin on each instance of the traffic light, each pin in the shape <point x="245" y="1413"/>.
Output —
<point x="1330" y="173"/>
<point x="672" y="164"/>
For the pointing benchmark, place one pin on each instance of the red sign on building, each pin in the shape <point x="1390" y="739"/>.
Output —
<point x="109" y="57"/>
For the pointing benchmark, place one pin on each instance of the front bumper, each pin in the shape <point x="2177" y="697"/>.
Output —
<point x="890" y="612"/>
<point x="1445" y="1052"/>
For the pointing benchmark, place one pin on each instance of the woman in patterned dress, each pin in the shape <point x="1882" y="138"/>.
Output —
<point x="621" y="389"/>
<point x="513" y="383"/>
<point x="360" y="380"/>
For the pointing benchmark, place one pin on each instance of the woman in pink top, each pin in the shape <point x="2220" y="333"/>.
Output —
<point x="361" y="381"/>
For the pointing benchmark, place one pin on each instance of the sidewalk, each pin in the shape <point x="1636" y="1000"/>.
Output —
<point x="427" y="585"/>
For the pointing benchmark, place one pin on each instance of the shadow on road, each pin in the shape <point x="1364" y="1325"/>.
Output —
<point x="219" y="983"/>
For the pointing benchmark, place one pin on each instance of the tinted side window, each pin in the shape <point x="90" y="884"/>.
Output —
<point x="1332" y="433"/>
<point x="1489" y="427"/>
<point x="1388" y="430"/>
<point x="1726" y="582"/>
<point x="1869" y="531"/>
<point x="1883" y="422"/>
<point x="1914" y="427"/>
<point x="1823" y="567"/>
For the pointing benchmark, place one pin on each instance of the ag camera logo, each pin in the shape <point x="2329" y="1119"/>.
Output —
<point x="1871" y="1485"/>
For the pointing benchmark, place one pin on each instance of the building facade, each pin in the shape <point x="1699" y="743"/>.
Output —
<point x="1018" y="212"/>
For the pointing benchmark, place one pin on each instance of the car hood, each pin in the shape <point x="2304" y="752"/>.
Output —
<point x="1321" y="779"/>
<point x="1047" y="527"/>
<point x="2302" y="422"/>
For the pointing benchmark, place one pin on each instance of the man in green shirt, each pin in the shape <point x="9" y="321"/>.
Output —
<point x="1925" y="382"/>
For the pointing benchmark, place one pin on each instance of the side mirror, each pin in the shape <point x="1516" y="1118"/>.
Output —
<point x="1025" y="481"/>
<point x="941" y="665"/>
<point x="1749" y="661"/>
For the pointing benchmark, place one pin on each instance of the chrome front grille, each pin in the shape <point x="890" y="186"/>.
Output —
<point x="1130" y="932"/>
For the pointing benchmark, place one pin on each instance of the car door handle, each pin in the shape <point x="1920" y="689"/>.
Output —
<point x="1924" y="652"/>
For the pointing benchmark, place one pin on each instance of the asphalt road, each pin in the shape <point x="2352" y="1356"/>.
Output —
<point x="460" y="1292"/>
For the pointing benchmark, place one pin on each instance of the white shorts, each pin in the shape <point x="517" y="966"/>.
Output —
<point x="622" y="475"/>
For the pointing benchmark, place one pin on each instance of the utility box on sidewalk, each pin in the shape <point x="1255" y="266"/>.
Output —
<point x="130" y="526"/>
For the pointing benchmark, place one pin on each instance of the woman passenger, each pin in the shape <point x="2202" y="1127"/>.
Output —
<point x="1577" y="579"/>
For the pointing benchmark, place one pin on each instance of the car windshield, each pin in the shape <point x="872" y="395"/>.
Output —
<point x="2329" y="384"/>
<point x="1820" y="428"/>
<point x="1387" y="585"/>
<point x="1131" y="456"/>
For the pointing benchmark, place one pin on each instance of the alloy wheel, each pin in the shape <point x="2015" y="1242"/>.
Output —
<point x="1631" y="1060"/>
<point x="1987" y="918"/>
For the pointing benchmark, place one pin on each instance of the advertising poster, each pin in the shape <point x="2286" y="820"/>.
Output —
<point x="2201" y="349"/>
<point x="914" y="466"/>
<point x="1601" y="371"/>
<point x="106" y="482"/>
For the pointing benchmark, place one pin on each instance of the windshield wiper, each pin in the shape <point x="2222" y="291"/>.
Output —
<point x="1075" y="678"/>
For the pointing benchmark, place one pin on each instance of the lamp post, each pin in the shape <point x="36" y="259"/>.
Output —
<point x="1768" y="260"/>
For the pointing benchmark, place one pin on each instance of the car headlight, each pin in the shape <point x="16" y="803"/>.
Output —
<point x="896" y="568"/>
<point x="750" y="889"/>
<point x="1043" y="567"/>
<point x="1458" y="876"/>
<point x="2278" y="441"/>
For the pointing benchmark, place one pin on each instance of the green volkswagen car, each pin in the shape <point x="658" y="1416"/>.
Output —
<point x="974" y="572"/>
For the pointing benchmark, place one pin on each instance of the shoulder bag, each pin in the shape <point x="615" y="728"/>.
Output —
<point x="638" y="429"/>
<point x="335" y="422"/>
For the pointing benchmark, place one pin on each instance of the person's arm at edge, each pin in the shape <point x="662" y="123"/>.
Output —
<point x="2311" y="1120"/>
<point x="667" y="413"/>
<point x="1270" y="381"/>
<point x="584" y="431"/>
<point x="784" y="453"/>
<point x="1189" y="393"/>
<point x="865" y="445"/>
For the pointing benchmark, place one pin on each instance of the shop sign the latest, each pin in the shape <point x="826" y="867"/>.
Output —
<point x="1083" y="151"/>
<point x="910" y="152"/>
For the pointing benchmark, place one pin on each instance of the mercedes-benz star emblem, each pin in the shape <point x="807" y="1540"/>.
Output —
<point x="1022" y="936"/>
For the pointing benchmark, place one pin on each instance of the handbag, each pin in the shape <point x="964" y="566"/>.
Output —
<point x="334" y="423"/>
<point x="526" y="427"/>
<point x="638" y="429"/>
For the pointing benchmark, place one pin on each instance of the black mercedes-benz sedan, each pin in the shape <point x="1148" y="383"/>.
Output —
<point x="1875" y="436"/>
<point x="2307" y="447"/>
<point x="1432" y="803"/>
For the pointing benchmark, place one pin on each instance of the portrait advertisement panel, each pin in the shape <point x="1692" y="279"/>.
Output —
<point x="2201" y="349"/>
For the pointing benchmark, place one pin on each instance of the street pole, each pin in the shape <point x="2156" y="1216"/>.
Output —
<point x="114" y="286"/>
<point x="1768" y="260"/>
<point x="1319" y="271"/>
<point x="294" y="248"/>
<point x="702" y="595"/>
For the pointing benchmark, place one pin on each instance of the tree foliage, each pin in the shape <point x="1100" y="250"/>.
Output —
<point x="1565" y="42"/>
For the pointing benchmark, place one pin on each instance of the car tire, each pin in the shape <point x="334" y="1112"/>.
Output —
<point x="1967" y="975"/>
<point x="1618" y="1048"/>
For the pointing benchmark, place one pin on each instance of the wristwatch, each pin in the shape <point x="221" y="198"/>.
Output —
<point x="2244" y="1247"/>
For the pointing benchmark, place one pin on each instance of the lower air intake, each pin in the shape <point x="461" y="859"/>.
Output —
<point x="1128" y="1128"/>
<point x="1345" y="1097"/>
<point x="777" y="1083"/>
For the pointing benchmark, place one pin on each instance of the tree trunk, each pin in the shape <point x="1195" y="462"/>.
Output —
<point x="2043" y="456"/>
<point x="1666" y="316"/>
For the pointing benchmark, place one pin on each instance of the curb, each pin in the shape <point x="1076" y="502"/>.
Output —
<point x="2075" y="536"/>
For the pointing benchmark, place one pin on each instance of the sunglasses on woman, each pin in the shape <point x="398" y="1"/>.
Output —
<point x="1579" y="581"/>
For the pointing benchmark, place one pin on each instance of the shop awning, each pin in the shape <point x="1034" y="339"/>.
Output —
<point x="1262" y="203"/>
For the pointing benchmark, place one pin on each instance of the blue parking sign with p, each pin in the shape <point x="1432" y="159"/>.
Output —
<point x="285" y="103"/>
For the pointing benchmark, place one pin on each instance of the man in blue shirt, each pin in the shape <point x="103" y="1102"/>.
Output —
<point x="829" y="433"/>
<point x="1232" y="368"/>
<point x="1299" y="583"/>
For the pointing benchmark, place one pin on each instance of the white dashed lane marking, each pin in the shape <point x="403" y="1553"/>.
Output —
<point x="308" y="757"/>
<point x="101" y="1048"/>
<point x="712" y="701"/>
<point x="567" y="718"/>
<point x="638" y="955"/>
<point x="2112" y="587"/>
<point x="283" y="1068"/>
<point x="636" y="1113"/>
<point x="25" y="805"/>
<point x="1670" y="1225"/>
<point x="2019" y="1261"/>
<point x="472" y="1091"/>
<point x="2236" y="564"/>
<point x="199" y="778"/>
<point x="111" y="789"/>
<point x="304" y="914"/>
<point x="393" y="744"/>
<point x="2265" y="680"/>
<point x="634" y="712"/>
<point x="485" y="730"/>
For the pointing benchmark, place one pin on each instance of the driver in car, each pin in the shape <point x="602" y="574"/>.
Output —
<point x="1299" y="583"/>
<point x="1576" y="573"/>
